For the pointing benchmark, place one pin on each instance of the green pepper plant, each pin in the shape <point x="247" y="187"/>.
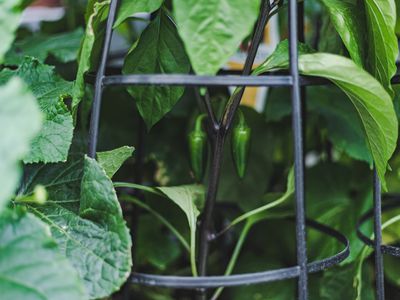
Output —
<point x="75" y="227"/>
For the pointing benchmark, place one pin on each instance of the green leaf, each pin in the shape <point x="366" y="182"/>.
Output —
<point x="127" y="8"/>
<point x="159" y="50"/>
<point x="377" y="51"/>
<point x="382" y="41"/>
<point x="212" y="30"/>
<point x="371" y="100"/>
<point x="344" y="128"/>
<point x="63" y="46"/>
<point x="31" y="266"/>
<point x="11" y="11"/>
<point x="112" y="160"/>
<point x="91" y="46"/>
<point x="86" y="220"/>
<point x="189" y="198"/>
<point x="53" y="142"/>
<point x="20" y="121"/>
<point x="349" y="22"/>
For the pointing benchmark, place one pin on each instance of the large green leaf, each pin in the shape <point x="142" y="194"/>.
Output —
<point x="63" y="46"/>
<point x="344" y="128"/>
<point x="349" y="22"/>
<point x="377" y="50"/>
<point x="10" y="14"/>
<point x="91" y="46"/>
<point x="53" y="142"/>
<point x="382" y="41"/>
<point x="127" y="8"/>
<point x="159" y="50"/>
<point x="212" y="30"/>
<point x="31" y="265"/>
<point x="373" y="103"/>
<point x="112" y="160"/>
<point x="86" y="220"/>
<point x="20" y="121"/>
<point x="188" y="198"/>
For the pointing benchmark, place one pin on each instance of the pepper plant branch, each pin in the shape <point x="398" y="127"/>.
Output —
<point x="205" y="228"/>
<point x="210" y="112"/>
<point x="217" y="146"/>
<point x="234" y="101"/>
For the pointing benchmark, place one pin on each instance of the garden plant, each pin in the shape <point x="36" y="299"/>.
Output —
<point x="184" y="179"/>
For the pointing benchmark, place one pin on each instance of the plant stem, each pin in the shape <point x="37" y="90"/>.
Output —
<point x="234" y="101"/>
<point x="138" y="187"/>
<point x="164" y="221"/>
<point x="221" y="132"/>
<point x="206" y="223"/>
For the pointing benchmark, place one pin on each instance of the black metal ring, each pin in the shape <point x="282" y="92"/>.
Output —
<point x="387" y="249"/>
<point x="206" y="282"/>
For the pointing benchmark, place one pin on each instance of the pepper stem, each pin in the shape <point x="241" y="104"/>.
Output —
<point x="199" y="122"/>
<point x="242" y="120"/>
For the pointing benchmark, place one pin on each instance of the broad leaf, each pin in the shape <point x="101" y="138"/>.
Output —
<point x="338" y="118"/>
<point x="377" y="51"/>
<point x="31" y="266"/>
<point x="212" y="30"/>
<point x="20" y="121"/>
<point x="112" y="160"/>
<point x="189" y="198"/>
<point x="349" y="22"/>
<point x="159" y="50"/>
<point x="53" y="142"/>
<point x="10" y="14"/>
<point x="86" y="220"/>
<point x="382" y="41"/>
<point x="372" y="102"/>
<point x="343" y="125"/>
<point x="90" y="48"/>
<point x="127" y="8"/>
<point x="63" y="46"/>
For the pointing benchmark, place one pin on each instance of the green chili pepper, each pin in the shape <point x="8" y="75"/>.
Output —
<point x="198" y="148"/>
<point x="240" y="144"/>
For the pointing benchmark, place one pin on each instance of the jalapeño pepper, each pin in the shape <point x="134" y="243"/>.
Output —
<point x="198" y="148"/>
<point x="240" y="144"/>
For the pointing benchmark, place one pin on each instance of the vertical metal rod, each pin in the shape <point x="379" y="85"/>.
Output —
<point x="298" y="149"/>
<point x="380" y="289"/>
<point x="96" y="106"/>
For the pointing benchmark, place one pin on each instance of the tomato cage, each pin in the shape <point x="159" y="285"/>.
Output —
<point x="218" y="130"/>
